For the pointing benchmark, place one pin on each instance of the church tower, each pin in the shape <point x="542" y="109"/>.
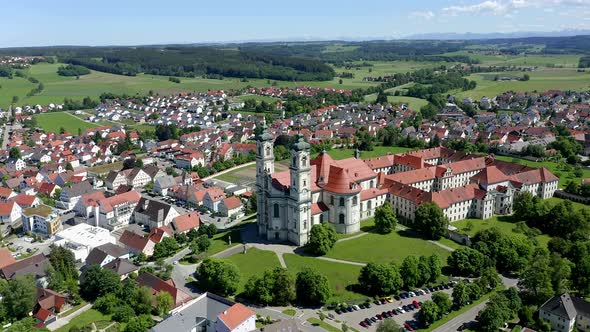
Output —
<point x="265" y="166"/>
<point x="299" y="212"/>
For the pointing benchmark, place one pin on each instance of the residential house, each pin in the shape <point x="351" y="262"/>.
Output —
<point x="122" y="267"/>
<point x="231" y="207"/>
<point x="42" y="220"/>
<point x="137" y="244"/>
<point x="49" y="304"/>
<point x="16" y="164"/>
<point x="136" y="177"/>
<point x="10" y="212"/>
<point x="185" y="223"/>
<point x="26" y="201"/>
<point x="6" y="257"/>
<point x="157" y="285"/>
<point x="115" y="179"/>
<point x="36" y="266"/>
<point x="564" y="312"/>
<point x="106" y="253"/>
<point x="189" y="161"/>
<point x="162" y="184"/>
<point x="116" y="211"/>
<point x="212" y="198"/>
<point x="71" y="194"/>
<point x="203" y="314"/>
<point x="6" y="194"/>
<point x="154" y="213"/>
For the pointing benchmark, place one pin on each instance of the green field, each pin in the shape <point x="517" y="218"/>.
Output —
<point x="220" y="241"/>
<point x="253" y="262"/>
<point x="540" y="80"/>
<point x="562" y="170"/>
<point x="258" y="98"/>
<point x="393" y="247"/>
<point x="341" y="276"/>
<point x="52" y="122"/>
<point x="505" y="224"/>
<point x="86" y="318"/>
<point x="561" y="60"/>
<point x="378" y="151"/>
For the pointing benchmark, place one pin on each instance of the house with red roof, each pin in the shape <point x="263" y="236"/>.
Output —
<point x="10" y="212"/>
<point x="49" y="305"/>
<point x="137" y="244"/>
<point x="157" y="285"/>
<point x="238" y="318"/>
<point x="232" y="207"/>
<point x="185" y="223"/>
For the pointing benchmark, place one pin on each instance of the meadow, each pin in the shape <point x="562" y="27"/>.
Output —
<point x="378" y="151"/>
<point x="52" y="122"/>
<point x="564" y="171"/>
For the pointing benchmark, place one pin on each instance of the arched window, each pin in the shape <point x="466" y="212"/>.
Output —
<point x="304" y="161"/>
<point x="341" y="201"/>
<point x="331" y="200"/>
<point x="268" y="151"/>
<point x="372" y="183"/>
<point x="276" y="210"/>
<point x="294" y="161"/>
<point x="321" y="218"/>
<point x="354" y="200"/>
<point x="369" y="204"/>
<point x="341" y="218"/>
<point x="260" y="150"/>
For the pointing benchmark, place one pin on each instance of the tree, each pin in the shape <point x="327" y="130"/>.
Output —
<point x="431" y="221"/>
<point x="460" y="295"/>
<point x="322" y="239"/>
<point x="63" y="274"/>
<point x="276" y="287"/>
<point x="203" y="243"/>
<point x="69" y="167"/>
<point x="489" y="279"/>
<point x="435" y="267"/>
<point x="139" y="324"/>
<point x="107" y="304"/>
<point x="381" y="98"/>
<point x="380" y="279"/>
<point x="97" y="282"/>
<point x="124" y="313"/>
<point x="388" y="325"/>
<point x="26" y="325"/>
<point x="385" y="221"/>
<point x="428" y="314"/>
<point x="443" y="302"/>
<point x="14" y="153"/>
<point x="536" y="277"/>
<point x="18" y="297"/>
<point x="410" y="272"/>
<point x="312" y="288"/>
<point x="218" y="276"/>
<point x="164" y="303"/>
<point x="165" y="248"/>
<point x="466" y="262"/>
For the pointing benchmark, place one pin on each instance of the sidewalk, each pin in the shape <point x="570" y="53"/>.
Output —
<point x="60" y="322"/>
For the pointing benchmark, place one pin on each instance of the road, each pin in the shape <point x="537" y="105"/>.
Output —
<point x="469" y="315"/>
<point x="6" y="129"/>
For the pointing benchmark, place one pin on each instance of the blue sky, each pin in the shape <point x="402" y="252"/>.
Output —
<point x="132" y="22"/>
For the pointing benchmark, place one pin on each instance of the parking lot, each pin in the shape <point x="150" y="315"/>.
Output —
<point x="354" y="318"/>
<point x="24" y="245"/>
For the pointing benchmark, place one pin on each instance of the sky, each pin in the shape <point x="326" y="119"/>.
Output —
<point x="133" y="22"/>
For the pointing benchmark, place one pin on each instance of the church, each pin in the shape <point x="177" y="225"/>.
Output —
<point x="344" y="192"/>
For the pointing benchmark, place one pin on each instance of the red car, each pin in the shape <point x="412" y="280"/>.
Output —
<point x="379" y="317"/>
<point x="416" y="304"/>
<point x="408" y="327"/>
<point x="363" y="324"/>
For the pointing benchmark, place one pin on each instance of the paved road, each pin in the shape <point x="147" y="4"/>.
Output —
<point x="64" y="321"/>
<point x="6" y="129"/>
<point x="469" y="315"/>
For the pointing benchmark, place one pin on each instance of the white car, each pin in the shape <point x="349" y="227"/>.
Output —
<point x="401" y="309"/>
<point x="412" y="294"/>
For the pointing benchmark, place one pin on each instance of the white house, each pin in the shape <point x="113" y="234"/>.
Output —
<point x="10" y="212"/>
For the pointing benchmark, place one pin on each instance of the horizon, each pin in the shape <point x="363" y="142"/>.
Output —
<point x="135" y="23"/>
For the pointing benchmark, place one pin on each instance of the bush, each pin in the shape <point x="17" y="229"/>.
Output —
<point x="123" y="314"/>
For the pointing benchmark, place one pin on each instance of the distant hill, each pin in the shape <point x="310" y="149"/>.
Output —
<point x="476" y="36"/>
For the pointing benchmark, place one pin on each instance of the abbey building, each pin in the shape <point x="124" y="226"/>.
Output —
<point x="344" y="192"/>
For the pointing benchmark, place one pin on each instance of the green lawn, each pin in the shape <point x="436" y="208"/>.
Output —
<point x="341" y="276"/>
<point x="413" y="103"/>
<point x="220" y="241"/>
<point x="258" y="98"/>
<point x="84" y="319"/>
<point x="106" y="168"/>
<point x="564" y="171"/>
<point x="323" y="325"/>
<point x="54" y="121"/>
<point x="378" y="151"/>
<point x="232" y="176"/>
<point x="253" y="262"/>
<point x="393" y="247"/>
<point x="505" y="224"/>
<point x="290" y="312"/>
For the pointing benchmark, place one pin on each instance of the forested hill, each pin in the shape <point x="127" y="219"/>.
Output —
<point x="187" y="62"/>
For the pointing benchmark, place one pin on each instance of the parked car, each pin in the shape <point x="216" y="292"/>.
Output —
<point x="408" y="327"/>
<point x="356" y="307"/>
<point x="412" y="294"/>
<point x="338" y="311"/>
<point x="363" y="324"/>
<point x="377" y="302"/>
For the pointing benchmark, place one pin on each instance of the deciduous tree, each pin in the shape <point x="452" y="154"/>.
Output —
<point x="218" y="276"/>
<point x="385" y="221"/>
<point x="322" y="239"/>
<point x="431" y="221"/>
<point x="312" y="288"/>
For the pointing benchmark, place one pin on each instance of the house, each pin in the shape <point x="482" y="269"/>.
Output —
<point x="137" y="244"/>
<point x="121" y="266"/>
<point x="36" y="266"/>
<point x="162" y="184"/>
<point x="6" y="257"/>
<point x="202" y="314"/>
<point x="42" y="220"/>
<point x="82" y="239"/>
<point x="238" y="318"/>
<point x="157" y="234"/>
<point x="564" y="312"/>
<point x="16" y="164"/>
<point x="231" y="207"/>
<point x="213" y="197"/>
<point x="115" y="179"/>
<point x="157" y="285"/>
<point x="106" y="253"/>
<point x="189" y="161"/>
<point x="49" y="305"/>
<point x="6" y="194"/>
<point x="26" y="201"/>
<point x="137" y="178"/>
<point x="71" y="194"/>
<point x="116" y="211"/>
<point x="185" y="223"/>
<point x="10" y="212"/>
<point x="154" y="213"/>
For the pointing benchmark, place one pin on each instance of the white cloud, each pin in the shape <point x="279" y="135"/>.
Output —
<point x="425" y="15"/>
<point x="501" y="7"/>
<point x="490" y="6"/>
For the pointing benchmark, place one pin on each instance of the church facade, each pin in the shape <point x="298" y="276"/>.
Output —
<point x="344" y="192"/>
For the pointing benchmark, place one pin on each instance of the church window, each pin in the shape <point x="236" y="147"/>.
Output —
<point x="331" y="200"/>
<point x="294" y="161"/>
<point x="341" y="218"/>
<point x="354" y="200"/>
<point x="268" y="151"/>
<point x="341" y="201"/>
<point x="369" y="204"/>
<point x="276" y="210"/>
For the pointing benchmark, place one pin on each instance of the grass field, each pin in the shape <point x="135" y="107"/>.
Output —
<point x="378" y="151"/>
<point x="220" y="241"/>
<point x="413" y="103"/>
<point x="54" y="121"/>
<point x="323" y="325"/>
<point x="258" y="98"/>
<point x="253" y="262"/>
<point x="341" y="276"/>
<point x="561" y="170"/>
<point x="393" y="247"/>
<point x="86" y="318"/>
<point x="505" y="224"/>
<point x="541" y="80"/>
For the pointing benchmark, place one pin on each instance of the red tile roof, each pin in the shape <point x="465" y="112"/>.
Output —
<point x="232" y="202"/>
<point x="236" y="315"/>
<point x="134" y="240"/>
<point x="341" y="182"/>
<point x="130" y="196"/>
<point x="6" y="208"/>
<point x="6" y="257"/>
<point x="158" y="285"/>
<point x="186" y="222"/>
<point x="157" y="234"/>
<point x="317" y="208"/>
